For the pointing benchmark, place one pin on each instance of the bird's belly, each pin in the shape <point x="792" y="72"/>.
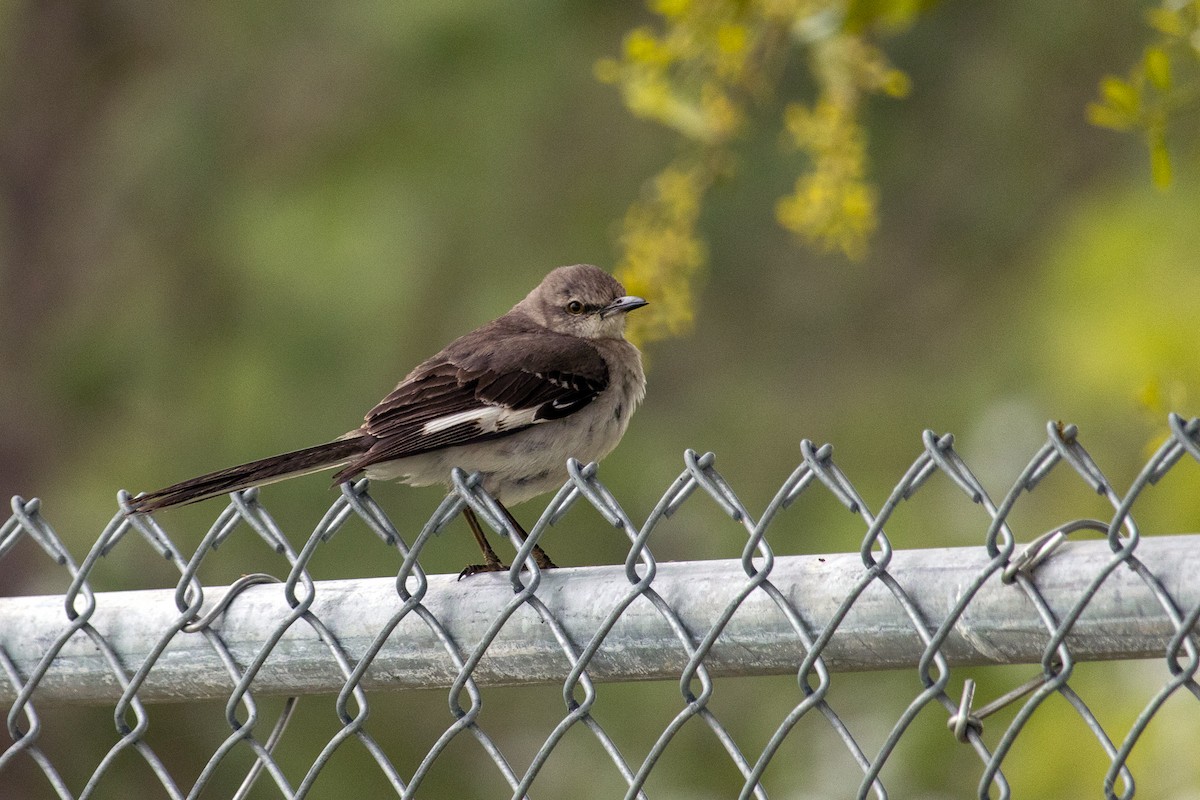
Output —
<point x="513" y="468"/>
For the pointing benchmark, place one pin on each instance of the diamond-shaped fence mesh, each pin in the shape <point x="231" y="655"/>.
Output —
<point x="845" y="675"/>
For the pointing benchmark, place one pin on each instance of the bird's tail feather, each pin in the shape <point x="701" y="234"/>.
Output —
<point x="256" y="473"/>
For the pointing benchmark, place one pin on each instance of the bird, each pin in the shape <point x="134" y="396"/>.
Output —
<point x="552" y="379"/>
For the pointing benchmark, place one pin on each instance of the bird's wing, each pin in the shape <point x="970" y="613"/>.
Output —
<point x="459" y="398"/>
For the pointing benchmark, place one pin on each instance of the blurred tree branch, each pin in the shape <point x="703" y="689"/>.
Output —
<point x="703" y="73"/>
<point x="707" y="66"/>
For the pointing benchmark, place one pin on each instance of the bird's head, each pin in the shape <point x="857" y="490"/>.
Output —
<point x="581" y="300"/>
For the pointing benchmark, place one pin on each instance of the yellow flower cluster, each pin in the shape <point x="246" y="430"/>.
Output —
<point x="661" y="252"/>
<point x="682" y="78"/>
<point x="832" y="205"/>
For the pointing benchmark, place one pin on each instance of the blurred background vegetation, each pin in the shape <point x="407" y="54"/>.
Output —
<point x="227" y="230"/>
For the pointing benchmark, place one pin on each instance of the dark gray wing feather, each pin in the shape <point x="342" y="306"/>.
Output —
<point x="534" y="374"/>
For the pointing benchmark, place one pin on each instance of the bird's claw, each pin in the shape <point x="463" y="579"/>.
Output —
<point x="543" y="562"/>
<point x="475" y="569"/>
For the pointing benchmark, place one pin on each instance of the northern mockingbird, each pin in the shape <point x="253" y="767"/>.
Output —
<point x="554" y="378"/>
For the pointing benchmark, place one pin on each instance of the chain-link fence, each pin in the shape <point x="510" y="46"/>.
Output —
<point x="948" y="614"/>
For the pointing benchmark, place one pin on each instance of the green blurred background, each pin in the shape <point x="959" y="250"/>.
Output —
<point x="227" y="229"/>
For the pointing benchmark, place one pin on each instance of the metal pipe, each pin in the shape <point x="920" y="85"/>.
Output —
<point x="1000" y="625"/>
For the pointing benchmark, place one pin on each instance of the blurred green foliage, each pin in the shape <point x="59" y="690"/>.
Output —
<point x="228" y="230"/>
<point x="1164" y="82"/>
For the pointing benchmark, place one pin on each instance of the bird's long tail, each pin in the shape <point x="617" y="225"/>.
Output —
<point x="256" y="473"/>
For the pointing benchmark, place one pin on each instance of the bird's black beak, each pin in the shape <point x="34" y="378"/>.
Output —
<point x="622" y="305"/>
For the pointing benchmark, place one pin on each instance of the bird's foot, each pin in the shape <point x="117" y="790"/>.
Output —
<point x="475" y="569"/>
<point x="541" y="559"/>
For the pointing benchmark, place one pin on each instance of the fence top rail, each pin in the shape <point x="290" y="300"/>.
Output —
<point x="1000" y="626"/>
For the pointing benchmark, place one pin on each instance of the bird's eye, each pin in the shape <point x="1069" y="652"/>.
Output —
<point x="574" y="307"/>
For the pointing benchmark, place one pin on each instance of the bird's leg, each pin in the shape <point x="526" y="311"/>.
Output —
<point x="492" y="562"/>
<point x="539" y="555"/>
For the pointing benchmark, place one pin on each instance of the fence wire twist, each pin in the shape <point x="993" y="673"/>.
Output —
<point x="36" y="647"/>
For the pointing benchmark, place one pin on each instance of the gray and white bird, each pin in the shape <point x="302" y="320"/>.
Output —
<point x="552" y="379"/>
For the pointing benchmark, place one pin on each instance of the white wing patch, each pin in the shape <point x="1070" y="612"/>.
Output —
<point x="490" y="419"/>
